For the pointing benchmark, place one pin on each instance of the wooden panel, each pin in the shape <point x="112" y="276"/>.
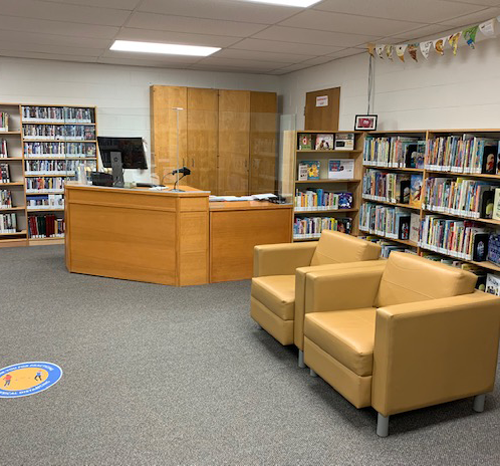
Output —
<point x="234" y="142"/>
<point x="323" y="118"/>
<point x="188" y="204"/>
<point x="263" y="142"/>
<point x="164" y="129"/>
<point x="203" y="138"/>
<point x="233" y="235"/>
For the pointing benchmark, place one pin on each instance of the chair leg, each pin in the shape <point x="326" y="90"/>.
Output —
<point x="479" y="403"/>
<point x="312" y="373"/>
<point x="301" y="359"/>
<point x="382" y="425"/>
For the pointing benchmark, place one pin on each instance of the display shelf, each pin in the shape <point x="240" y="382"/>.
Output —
<point x="396" y="169"/>
<point x="15" y="183"/>
<point x="402" y="241"/>
<point x="322" y="211"/>
<point x="41" y="192"/>
<point x="56" y="123"/>
<point x="44" y="210"/>
<point x="11" y="159"/>
<point x="318" y="151"/>
<point x="464" y="175"/>
<point x="10" y="133"/>
<point x="83" y="159"/>
<point x="45" y="175"/>
<point x="487" y="221"/>
<point x="90" y="141"/>
<point x="354" y="180"/>
<point x="392" y="204"/>
<point x="17" y="233"/>
<point x="11" y="209"/>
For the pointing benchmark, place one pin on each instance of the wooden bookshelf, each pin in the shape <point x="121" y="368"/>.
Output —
<point x="423" y="211"/>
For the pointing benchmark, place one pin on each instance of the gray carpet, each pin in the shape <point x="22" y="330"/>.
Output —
<point x="155" y="375"/>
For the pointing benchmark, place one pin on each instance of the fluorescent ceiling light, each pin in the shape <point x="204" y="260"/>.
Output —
<point x="166" y="49"/>
<point x="298" y="3"/>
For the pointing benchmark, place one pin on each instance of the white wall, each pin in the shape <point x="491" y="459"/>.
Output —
<point x="121" y="93"/>
<point x="443" y="92"/>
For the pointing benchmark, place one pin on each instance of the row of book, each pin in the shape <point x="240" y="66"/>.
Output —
<point x="57" y="114"/>
<point x="462" y="196"/>
<point x="311" y="227"/>
<point x="319" y="199"/>
<point x="4" y="173"/>
<point x="338" y="169"/>
<point x="392" y="187"/>
<point x="49" y="201"/>
<point x="59" y="149"/>
<point x="61" y="132"/>
<point x="5" y="199"/>
<point x="396" y="152"/>
<point x="461" y="239"/>
<point x="45" y="226"/>
<point x="52" y="167"/>
<point x="386" y="246"/>
<point x="4" y="121"/>
<point x="328" y="141"/>
<point x="389" y="222"/>
<point x="3" y="149"/>
<point x="44" y="185"/>
<point x="463" y="154"/>
<point x="8" y="223"/>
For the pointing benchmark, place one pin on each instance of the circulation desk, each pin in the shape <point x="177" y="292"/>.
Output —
<point x="138" y="234"/>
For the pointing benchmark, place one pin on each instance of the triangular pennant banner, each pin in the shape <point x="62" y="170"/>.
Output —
<point x="453" y="41"/>
<point x="400" y="51"/>
<point x="425" y="48"/>
<point x="469" y="36"/>
<point x="488" y="28"/>
<point x="412" y="50"/>
<point x="389" y="49"/>
<point x="371" y="49"/>
<point x="379" y="50"/>
<point x="439" y="45"/>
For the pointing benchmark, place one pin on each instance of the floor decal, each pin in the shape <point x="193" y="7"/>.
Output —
<point x="28" y="378"/>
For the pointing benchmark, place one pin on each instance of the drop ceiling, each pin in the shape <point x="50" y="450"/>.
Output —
<point x="254" y="37"/>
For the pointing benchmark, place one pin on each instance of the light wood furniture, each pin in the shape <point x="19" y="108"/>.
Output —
<point x="20" y="144"/>
<point x="427" y="135"/>
<point x="324" y="118"/>
<point x="236" y="227"/>
<point x="292" y="156"/>
<point x="138" y="234"/>
<point x="227" y="138"/>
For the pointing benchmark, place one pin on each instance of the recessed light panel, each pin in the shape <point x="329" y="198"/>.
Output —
<point x="165" y="49"/>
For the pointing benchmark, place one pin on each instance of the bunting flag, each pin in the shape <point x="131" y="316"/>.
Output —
<point x="400" y="51"/>
<point x="487" y="28"/>
<point x="453" y="41"/>
<point x="470" y="36"/>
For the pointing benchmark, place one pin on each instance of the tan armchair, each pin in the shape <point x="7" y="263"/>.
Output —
<point x="412" y="335"/>
<point x="274" y="282"/>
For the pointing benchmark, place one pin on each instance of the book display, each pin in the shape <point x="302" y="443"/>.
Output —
<point x="323" y="177"/>
<point x="450" y="193"/>
<point x="41" y="147"/>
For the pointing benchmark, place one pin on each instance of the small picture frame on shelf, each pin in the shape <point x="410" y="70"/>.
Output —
<point x="365" y="122"/>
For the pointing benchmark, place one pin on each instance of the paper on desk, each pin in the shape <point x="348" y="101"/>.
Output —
<point x="261" y="197"/>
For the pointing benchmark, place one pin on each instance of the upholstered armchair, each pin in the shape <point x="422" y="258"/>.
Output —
<point x="274" y="283"/>
<point x="411" y="335"/>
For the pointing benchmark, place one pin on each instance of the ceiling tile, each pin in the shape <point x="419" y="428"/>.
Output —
<point x="229" y="10"/>
<point x="176" y="37"/>
<point x="230" y="69"/>
<point x="63" y="12"/>
<point x="238" y="63"/>
<point x="135" y="62"/>
<point x="50" y="48"/>
<point x="118" y="4"/>
<point x="193" y="25"/>
<point x="478" y="2"/>
<point x="263" y="56"/>
<point x="285" y="47"/>
<point x="309" y="36"/>
<point x="52" y="39"/>
<point x="423" y="32"/>
<point x="338" y="22"/>
<point x="65" y="28"/>
<point x="347" y="53"/>
<point x="423" y="11"/>
<point x="151" y="57"/>
<point x="475" y="18"/>
<point x="47" y="56"/>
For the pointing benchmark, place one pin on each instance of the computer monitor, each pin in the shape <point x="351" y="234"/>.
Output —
<point x="133" y="155"/>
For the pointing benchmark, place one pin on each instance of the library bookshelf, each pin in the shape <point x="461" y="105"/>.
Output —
<point x="42" y="145"/>
<point x="428" y="172"/>
<point x="293" y="157"/>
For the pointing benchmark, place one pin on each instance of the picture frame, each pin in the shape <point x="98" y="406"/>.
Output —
<point x="365" y="122"/>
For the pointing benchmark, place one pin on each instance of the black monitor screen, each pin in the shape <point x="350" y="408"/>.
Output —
<point x="132" y="150"/>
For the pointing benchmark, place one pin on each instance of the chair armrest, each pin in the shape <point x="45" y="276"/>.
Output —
<point x="300" y="290"/>
<point x="282" y="259"/>
<point x="434" y="351"/>
<point x="334" y="290"/>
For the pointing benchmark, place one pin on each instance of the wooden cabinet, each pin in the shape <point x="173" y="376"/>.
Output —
<point x="227" y="138"/>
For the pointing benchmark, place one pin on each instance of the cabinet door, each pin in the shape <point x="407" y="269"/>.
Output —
<point x="203" y="138"/>
<point x="263" y="142"/>
<point x="234" y="142"/>
<point x="322" y="110"/>
<point x="164" y="101"/>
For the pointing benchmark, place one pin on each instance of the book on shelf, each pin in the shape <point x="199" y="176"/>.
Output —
<point x="324" y="142"/>
<point x="480" y="247"/>
<point x="58" y="132"/>
<point x="340" y="169"/>
<point x="4" y="173"/>
<point x="388" y="187"/>
<point x="40" y="114"/>
<point x="414" y="227"/>
<point x="45" y="184"/>
<point x="5" y="199"/>
<point x="394" y="152"/>
<point x="415" y="154"/>
<point x="344" y="141"/>
<point x="494" y="248"/>
<point x="496" y="205"/>
<point x="387" y="246"/>
<point x="52" y="167"/>
<point x="48" y="201"/>
<point x="416" y="182"/>
<point x="4" y="122"/>
<point x="302" y="172"/>
<point x="493" y="284"/>
<point x="311" y="167"/>
<point x="8" y="223"/>
<point x="60" y="149"/>
<point x="319" y="199"/>
<point x="386" y="221"/>
<point x="45" y="226"/>
<point x="305" y="141"/>
<point x="3" y="149"/>
<point x="311" y="227"/>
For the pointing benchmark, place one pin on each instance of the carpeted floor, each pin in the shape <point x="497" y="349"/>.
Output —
<point x="155" y="375"/>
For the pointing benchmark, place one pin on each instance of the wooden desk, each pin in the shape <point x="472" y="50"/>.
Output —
<point x="138" y="234"/>
<point x="236" y="227"/>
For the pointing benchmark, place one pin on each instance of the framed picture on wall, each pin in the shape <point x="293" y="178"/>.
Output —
<point x="365" y="123"/>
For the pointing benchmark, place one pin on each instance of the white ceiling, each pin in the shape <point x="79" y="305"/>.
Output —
<point x="255" y="38"/>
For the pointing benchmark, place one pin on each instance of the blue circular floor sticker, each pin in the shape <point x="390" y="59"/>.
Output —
<point x="28" y="378"/>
